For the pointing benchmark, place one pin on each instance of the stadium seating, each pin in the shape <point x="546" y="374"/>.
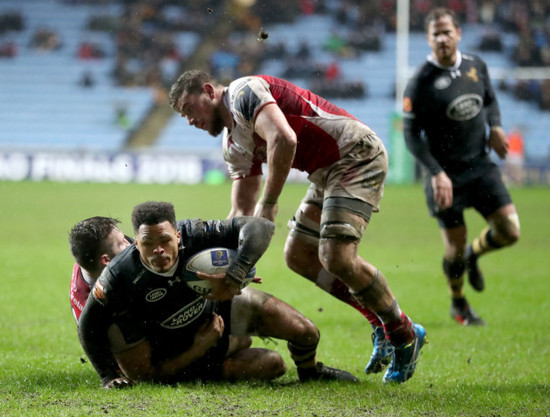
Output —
<point x="377" y="70"/>
<point x="43" y="104"/>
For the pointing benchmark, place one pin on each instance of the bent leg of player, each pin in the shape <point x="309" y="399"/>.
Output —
<point x="302" y="256"/>
<point x="253" y="363"/>
<point x="503" y="230"/>
<point x="257" y="313"/>
<point x="490" y="197"/>
<point x="341" y="232"/>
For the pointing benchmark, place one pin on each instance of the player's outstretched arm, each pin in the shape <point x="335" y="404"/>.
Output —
<point x="281" y="143"/>
<point x="244" y="195"/>
<point x="92" y="332"/>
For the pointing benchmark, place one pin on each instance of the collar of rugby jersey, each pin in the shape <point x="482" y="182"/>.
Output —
<point x="432" y="61"/>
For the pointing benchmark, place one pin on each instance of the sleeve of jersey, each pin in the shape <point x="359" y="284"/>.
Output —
<point x="250" y="236"/>
<point x="412" y="132"/>
<point x="491" y="103"/>
<point x="249" y="98"/>
<point x="250" y="95"/>
<point x="92" y="331"/>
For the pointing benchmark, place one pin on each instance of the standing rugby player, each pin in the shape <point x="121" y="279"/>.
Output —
<point x="449" y="106"/>
<point x="270" y="120"/>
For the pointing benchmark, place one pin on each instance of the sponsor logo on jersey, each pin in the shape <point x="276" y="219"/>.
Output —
<point x="186" y="315"/>
<point x="139" y="275"/>
<point x="99" y="292"/>
<point x="442" y="82"/>
<point x="219" y="258"/>
<point x="176" y="280"/>
<point x="472" y="74"/>
<point x="78" y="305"/>
<point x="465" y="107"/>
<point x="156" y="294"/>
<point x="199" y="288"/>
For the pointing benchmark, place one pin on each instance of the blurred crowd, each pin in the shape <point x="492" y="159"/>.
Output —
<point x="147" y="51"/>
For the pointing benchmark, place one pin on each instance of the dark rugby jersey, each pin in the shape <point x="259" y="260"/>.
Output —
<point x="446" y="112"/>
<point x="162" y="309"/>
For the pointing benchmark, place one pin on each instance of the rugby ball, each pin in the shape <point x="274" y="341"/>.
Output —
<point x="211" y="261"/>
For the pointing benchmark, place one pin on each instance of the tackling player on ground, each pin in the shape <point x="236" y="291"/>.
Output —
<point x="270" y="120"/>
<point x="94" y="242"/>
<point x="449" y="105"/>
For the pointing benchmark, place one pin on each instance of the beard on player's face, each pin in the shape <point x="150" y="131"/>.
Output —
<point x="217" y="124"/>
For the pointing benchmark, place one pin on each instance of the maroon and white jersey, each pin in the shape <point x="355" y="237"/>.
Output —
<point x="79" y="292"/>
<point x="325" y="132"/>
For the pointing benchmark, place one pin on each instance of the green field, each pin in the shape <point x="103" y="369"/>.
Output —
<point x="502" y="369"/>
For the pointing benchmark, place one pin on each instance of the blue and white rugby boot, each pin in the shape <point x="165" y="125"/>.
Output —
<point x="405" y="357"/>
<point x="381" y="354"/>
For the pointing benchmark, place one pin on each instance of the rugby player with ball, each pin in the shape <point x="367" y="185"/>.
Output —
<point x="142" y="311"/>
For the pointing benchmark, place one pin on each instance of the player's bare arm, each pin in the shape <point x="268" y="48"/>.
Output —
<point x="273" y="127"/>
<point x="223" y="287"/>
<point x="498" y="141"/>
<point x="244" y="195"/>
<point x="136" y="362"/>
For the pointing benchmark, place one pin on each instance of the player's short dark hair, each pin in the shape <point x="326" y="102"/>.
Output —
<point x="438" y="13"/>
<point x="189" y="82"/>
<point x="151" y="213"/>
<point x="87" y="240"/>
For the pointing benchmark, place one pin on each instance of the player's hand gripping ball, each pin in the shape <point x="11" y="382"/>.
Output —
<point x="211" y="261"/>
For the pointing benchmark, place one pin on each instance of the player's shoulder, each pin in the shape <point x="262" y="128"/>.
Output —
<point x="422" y="72"/>
<point x="249" y="81"/>
<point x="116" y="278"/>
<point x="126" y="260"/>
<point x="472" y="59"/>
<point x="195" y="230"/>
<point x="468" y="56"/>
<point x="418" y="79"/>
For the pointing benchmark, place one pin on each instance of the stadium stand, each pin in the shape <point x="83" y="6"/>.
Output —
<point x="45" y="105"/>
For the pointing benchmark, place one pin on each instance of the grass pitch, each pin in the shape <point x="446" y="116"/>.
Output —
<point x="502" y="369"/>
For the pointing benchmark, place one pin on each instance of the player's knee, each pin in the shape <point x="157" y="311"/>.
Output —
<point x="261" y="364"/>
<point x="335" y="263"/>
<point x="340" y="231"/>
<point x="296" y="259"/>
<point x="302" y="244"/>
<point x="305" y="332"/>
<point x="453" y="268"/>
<point x="507" y="232"/>
<point x="339" y="258"/>
<point x="273" y="365"/>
